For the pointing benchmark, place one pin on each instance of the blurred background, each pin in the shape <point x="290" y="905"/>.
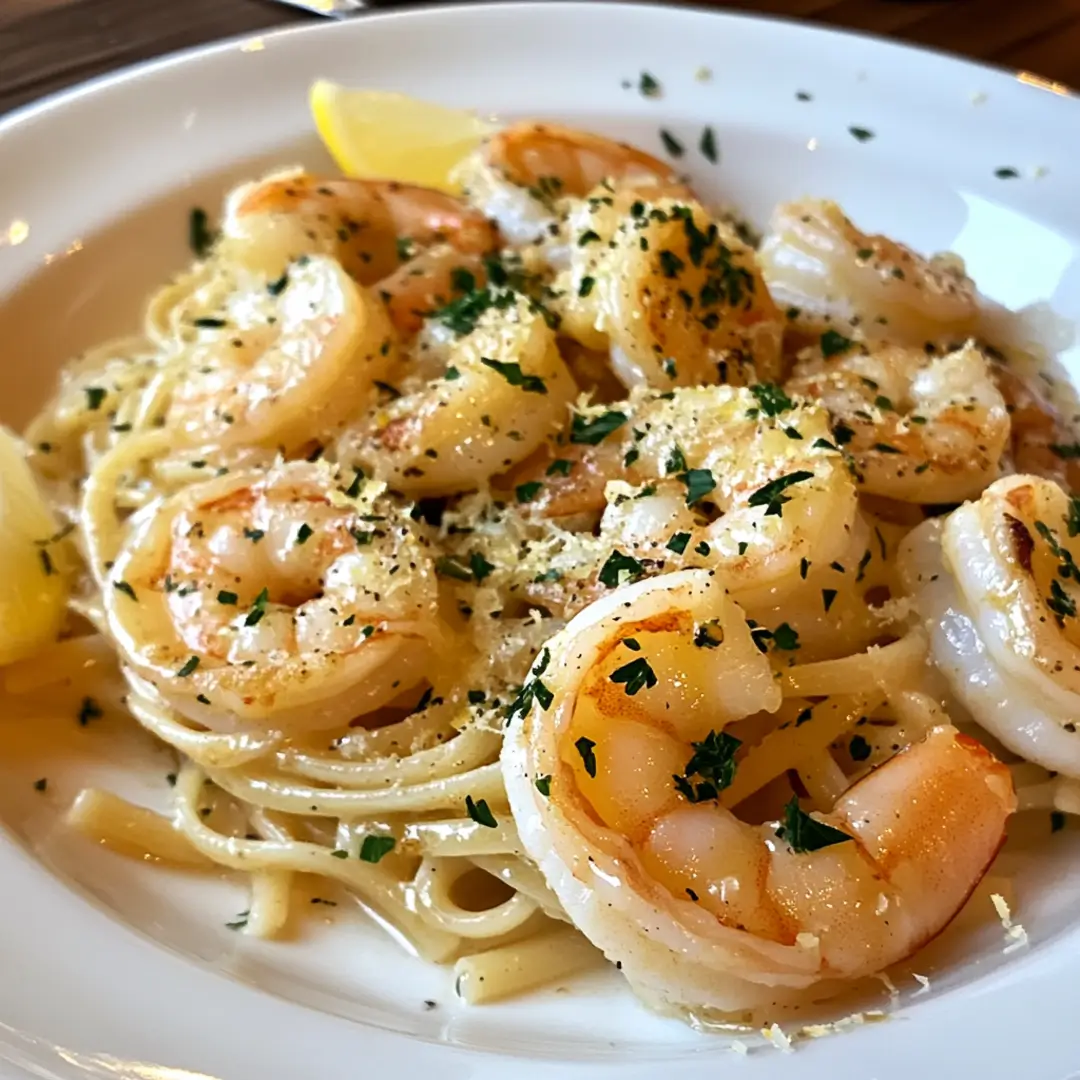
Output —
<point x="48" y="44"/>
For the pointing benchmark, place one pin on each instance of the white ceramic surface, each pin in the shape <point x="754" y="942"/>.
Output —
<point x="126" y="965"/>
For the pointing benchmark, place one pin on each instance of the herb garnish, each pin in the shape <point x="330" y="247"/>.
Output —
<point x="595" y="430"/>
<point x="671" y="144"/>
<point x="649" y="86"/>
<point x="512" y="373"/>
<point x="95" y="395"/>
<point x="584" y="747"/>
<point x="188" y="667"/>
<point x="543" y="785"/>
<point x="804" y="833"/>
<point x="533" y="689"/>
<point x="858" y="748"/>
<point x="699" y="482"/>
<point x="559" y="467"/>
<point x="861" y="133"/>
<point x="635" y="676"/>
<point x="714" y="761"/>
<point x="480" y="812"/>
<point x="833" y="343"/>
<point x="771" y="398"/>
<point x="375" y="847"/>
<point x="678" y="542"/>
<point x="528" y="491"/>
<point x="707" y="146"/>
<point x="258" y="608"/>
<point x="618" y="564"/>
<point x="125" y="588"/>
<point x="200" y="235"/>
<point x="772" y="494"/>
<point x="89" y="710"/>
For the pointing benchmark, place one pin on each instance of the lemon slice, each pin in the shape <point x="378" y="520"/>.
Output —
<point x="33" y="586"/>
<point x="375" y="134"/>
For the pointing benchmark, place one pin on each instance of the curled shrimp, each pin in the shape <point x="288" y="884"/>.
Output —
<point x="369" y="226"/>
<point x="281" y="368"/>
<point x="919" y="427"/>
<point x="676" y="297"/>
<point x="829" y="274"/>
<point x="760" y="488"/>
<point x="500" y="390"/>
<point x="519" y="174"/>
<point x="614" y="773"/>
<point x="1042" y="442"/>
<point x="273" y="600"/>
<point x="997" y="584"/>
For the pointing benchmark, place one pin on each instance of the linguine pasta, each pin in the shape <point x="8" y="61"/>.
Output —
<point x="352" y="509"/>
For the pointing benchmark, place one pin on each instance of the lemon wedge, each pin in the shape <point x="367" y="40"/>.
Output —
<point x="376" y="134"/>
<point x="33" y="586"/>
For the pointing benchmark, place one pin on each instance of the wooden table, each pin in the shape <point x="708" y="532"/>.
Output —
<point x="49" y="44"/>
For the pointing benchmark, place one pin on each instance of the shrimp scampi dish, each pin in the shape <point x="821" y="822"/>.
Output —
<point x="565" y="574"/>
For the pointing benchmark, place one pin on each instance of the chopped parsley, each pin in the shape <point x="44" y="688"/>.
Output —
<point x="827" y="597"/>
<point x="480" y="812"/>
<point x="699" y="482"/>
<point x="858" y="748"/>
<point x="617" y="564"/>
<point x="125" y="588"/>
<point x="713" y="760"/>
<point x="585" y="286"/>
<point x="671" y="144"/>
<point x="635" y="676"/>
<point x="543" y="785"/>
<point x="304" y="533"/>
<point x="595" y="430"/>
<point x="254" y="535"/>
<point x="584" y="747"/>
<point x="1060" y="602"/>
<point x="707" y="145"/>
<point x="276" y="288"/>
<point x="804" y="833"/>
<point x="42" y="784"/>
<point x="528" y="491"/>
<point x="89" y="710"/>
<point x="239" y="922"/>
<point x="771" y="398"/>
<point x="676" y="461"/>
<point x="649" y="86"/>
<point x="1006" y="173"/>
<point x="772" y="496"/>
<point x="200" y="235"/>
<point x="843" y="434"/>
<point x="678" y="542"/>
<point x="226" y="597"/>
<point x="353" y="490"/>
<point x="861" y="133"/>
<point x="258" y="609"/>
<point x="95" y="395"/>
<point x="559" y="467"/>
<point x="533" y="689"/>
<point x="512" y="373"/>
<point x="1066" y="450"/>
<point x="448" y="566"/>
<point x="188" y="667"/>
<point x="833" y="343"/>
<point x="786" y="637"/>
<point x="375" y="847"/>
<point x="705" y="639"/>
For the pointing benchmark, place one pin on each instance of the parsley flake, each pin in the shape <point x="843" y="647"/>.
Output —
<point x="584" y="747"/>
<point x="593" y="431"/>
<point x="512" y="373"/>
<point x="804" y="833"/>
<point x="375" y="847"/>
<point x="480" y="812"/>
<point x="635" y="676"/>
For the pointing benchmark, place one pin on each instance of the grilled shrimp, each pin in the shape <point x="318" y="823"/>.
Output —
<point x="280" y="369"/>
<point x="272" y="600"/>
<point x="502" y="390"/>
<point x="519" y="174"/>
<point x="920" y="427"/>
<point x="783" y="493"/>
<point x="367" y="225"/>
<point x="676" y="297"/>
<point x="1043" y="443"/>
<point x="829" y="274"/>
<point x="615" y="770"/>
<point x="997" y="584"/>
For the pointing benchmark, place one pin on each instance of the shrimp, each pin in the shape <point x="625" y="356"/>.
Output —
<point x="829" y="274"/>
<point x="518" y="175"/>
<point x="272" y="600"/>
<point x="615" y="762"/>
<point x="290" y="366"/>
<point x="1042" y="443"/>
<point x="502" y="390"/>
<point x="751" y="477"/>
<point x="997" y="584"/>
<point x="369" y="226"/>
<point x="919" y="427"/>
<point x="676" y="297"/>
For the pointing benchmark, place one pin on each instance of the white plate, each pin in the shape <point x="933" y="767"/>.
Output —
<point x="96" y="186"/>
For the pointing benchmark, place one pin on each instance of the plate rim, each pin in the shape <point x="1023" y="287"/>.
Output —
<point x="130" y="74"/>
